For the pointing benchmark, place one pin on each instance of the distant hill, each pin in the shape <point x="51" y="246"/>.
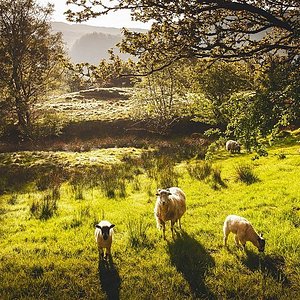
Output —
<point x="87" y="43"/>
<point x="92" y="47"/>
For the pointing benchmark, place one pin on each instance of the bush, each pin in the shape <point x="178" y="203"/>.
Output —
<point x="200" y="170"/>
<point x="245" y="174"/>
<point x="216" y="179"/>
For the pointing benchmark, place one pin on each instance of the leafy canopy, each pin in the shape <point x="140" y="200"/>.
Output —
<point x="202" y="28"/>
<point x="30" y="59"/>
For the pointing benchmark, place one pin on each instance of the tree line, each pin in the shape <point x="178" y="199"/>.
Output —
<point x="234" y="65"/>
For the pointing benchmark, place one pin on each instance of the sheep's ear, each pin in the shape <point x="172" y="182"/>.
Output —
<point x="158" y="192"/>
<point x="261" y="234"/>
<point x="112" y="226"/>
<point x="169" y="193"/>
<point x="98" y="226"/>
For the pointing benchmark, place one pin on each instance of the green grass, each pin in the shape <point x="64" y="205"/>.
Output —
<point x="57" y="257"/>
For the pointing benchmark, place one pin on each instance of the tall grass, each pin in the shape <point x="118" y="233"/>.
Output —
<point x="45" y="207"/>
<point x="137" y="232"/>
<point x="244" y="173"/>
<point x="200" y="170"/>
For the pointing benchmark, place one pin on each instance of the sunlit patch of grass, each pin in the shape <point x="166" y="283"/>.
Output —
<point x="57" y="257"/>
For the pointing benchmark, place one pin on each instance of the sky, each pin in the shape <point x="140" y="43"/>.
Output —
<point x="117" y="19"/>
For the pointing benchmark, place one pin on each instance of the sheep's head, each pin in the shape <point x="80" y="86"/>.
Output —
<point x="163" y="195"/>
<point x="261" y="243"/>
<point x="105" y="230"/>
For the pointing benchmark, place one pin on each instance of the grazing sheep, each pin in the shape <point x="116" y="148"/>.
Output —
<point x="233" y="146"/>
<point x="243" y="231"/>
<point x="103" y="235"/>
<point x="170" y="205"/>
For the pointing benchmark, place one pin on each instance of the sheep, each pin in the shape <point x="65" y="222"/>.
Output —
<point x="170" y="205"/>
<point x="233" y="146"/>
<point x="243" y="231"/>
<point x="103" y="235"/>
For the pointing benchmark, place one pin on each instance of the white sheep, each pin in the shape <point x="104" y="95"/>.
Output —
<point x="103" y="235"/>
<point x="170" y="205"/>
<point x="233" y="146"/>
<point x="243" y="231"/>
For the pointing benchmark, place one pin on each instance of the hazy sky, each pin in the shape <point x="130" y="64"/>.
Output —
<point x="117" y="19"/>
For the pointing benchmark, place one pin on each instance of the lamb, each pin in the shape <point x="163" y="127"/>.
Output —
<point x="243" y="231"/>
<point x="103" y="235"/>
<point x="170" y="205"/>
<point x="233" y="146"/>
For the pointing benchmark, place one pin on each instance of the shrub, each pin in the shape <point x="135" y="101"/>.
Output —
<point x="245" y="174"/>
<point x="216" y="179"/>
<point x="200" y="170"/>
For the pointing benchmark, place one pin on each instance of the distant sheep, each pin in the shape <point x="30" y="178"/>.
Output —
<point x="103" y="235"/>
<point x="233" y="146"/>
<point x="170" y="205"/>
<point x="243" y="231"/>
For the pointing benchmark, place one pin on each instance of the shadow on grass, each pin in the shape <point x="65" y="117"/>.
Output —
<point x="109" y="279"/>
<point x="269" y="265"/>
<point x="192" y="260"/>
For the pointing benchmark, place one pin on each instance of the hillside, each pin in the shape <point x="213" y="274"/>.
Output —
<point x="87" y="43"/>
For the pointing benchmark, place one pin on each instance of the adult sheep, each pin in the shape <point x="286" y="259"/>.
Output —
<point x="103" y="236"/>
<point x="170" y="206"/>
<point x="243" y="231"/>
<point x="233" y="146"/>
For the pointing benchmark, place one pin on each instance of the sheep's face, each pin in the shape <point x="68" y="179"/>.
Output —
<point x="261" y="244"/>
<point x="105" y="230"/>
<point x="163" y="195"/>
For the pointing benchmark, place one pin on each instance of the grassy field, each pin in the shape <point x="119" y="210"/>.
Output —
<point x="47" y="225"/>
<point x="104" y="104"/>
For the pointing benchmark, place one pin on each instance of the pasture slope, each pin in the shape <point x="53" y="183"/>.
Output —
<point x="47" y="223"/>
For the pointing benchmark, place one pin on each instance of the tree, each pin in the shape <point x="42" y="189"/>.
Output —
<point x="30" y="58"/>
<point x="202" y="28"/>
<point x="220" y="82"/>
<point x="160" y="98"/>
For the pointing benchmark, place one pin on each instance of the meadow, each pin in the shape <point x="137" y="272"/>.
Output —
<point x="51" y="201"/>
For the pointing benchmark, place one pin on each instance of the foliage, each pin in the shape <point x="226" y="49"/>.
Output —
<point x="219" y="82"/>
<point x="218" y="29"/>
<point x="30" y="60"/>
<point x="160" y="99"/>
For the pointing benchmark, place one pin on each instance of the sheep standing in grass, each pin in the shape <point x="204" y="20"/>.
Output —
<point x="170" y="205"/>
<point x="243" y="231"/>
<point x="233" y="146"/>
<point x="103" y="235"/>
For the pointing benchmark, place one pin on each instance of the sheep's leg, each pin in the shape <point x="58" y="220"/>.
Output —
<point x="172" y="228"/>
<point x="164" y="230"/>
<point x="225" y="238"/>
<point x="225" y="234"/>
<point x="101" y="252"/>
<point x="179" y="222"/>
<point x="107" y="253"/>
<point x="237" y="241"/>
